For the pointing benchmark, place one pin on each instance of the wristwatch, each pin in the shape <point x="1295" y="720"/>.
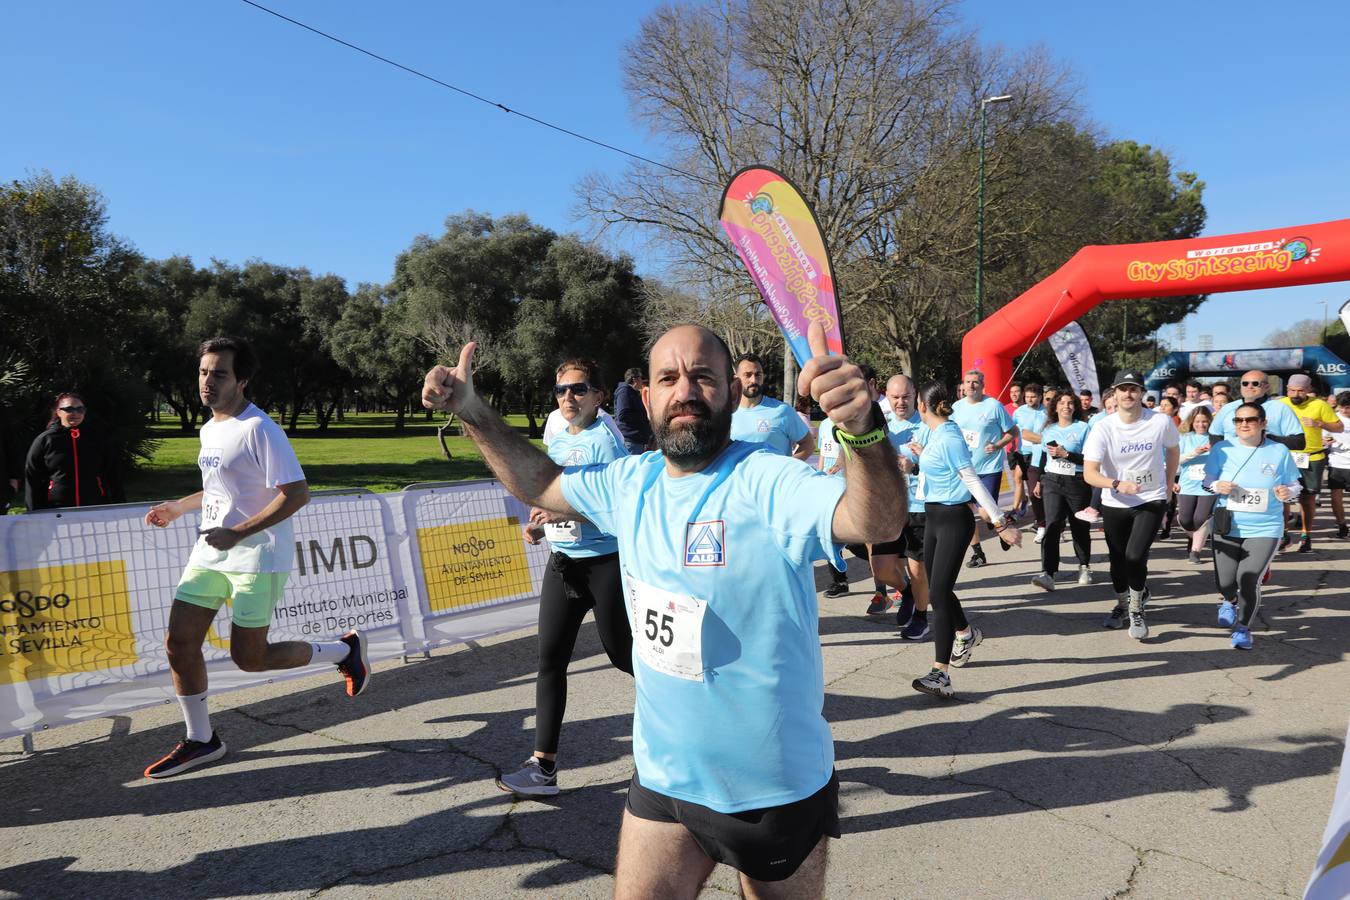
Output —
<point x="1115" y="485"/>
<point x="875" y="435"/>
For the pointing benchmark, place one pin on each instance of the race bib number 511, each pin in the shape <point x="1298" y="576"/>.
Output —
<point x="667" y="630"/>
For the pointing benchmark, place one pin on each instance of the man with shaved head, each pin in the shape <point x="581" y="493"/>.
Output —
<point x="908" y="435"/>
<point x="734" y="759"/>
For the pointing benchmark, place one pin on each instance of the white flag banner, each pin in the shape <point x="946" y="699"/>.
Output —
<point x="1070" y="344"/>
<point x="1345" y="314"/>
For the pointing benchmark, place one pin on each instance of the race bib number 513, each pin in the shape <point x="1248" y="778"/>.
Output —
<point x="667" y="630"/>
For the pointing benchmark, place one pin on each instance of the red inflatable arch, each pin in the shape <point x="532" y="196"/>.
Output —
<point x="1307" y="254"/>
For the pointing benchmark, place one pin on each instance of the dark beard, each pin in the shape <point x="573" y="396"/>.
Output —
<point x="691" y="445"/>
<point x="753" y="390"/>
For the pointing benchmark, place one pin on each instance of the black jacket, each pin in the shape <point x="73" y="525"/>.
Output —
<point x="631" y="415"/>
<point x="72" y="467"/>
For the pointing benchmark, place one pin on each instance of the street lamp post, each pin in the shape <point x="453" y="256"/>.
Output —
<point x="979" y="241"/>
<point x="1324" y="319"/>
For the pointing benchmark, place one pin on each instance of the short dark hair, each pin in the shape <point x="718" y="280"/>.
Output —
<point x="244" y="360"/>
<point x="744" y="357"/>
<point x="1343" y="398"/>
<point x="1195" y="384"/>
<point x="632" y="375"/>
<point x="1032" y="387"/>
<point x="1014" y="384"/>
<point x="1085" y="393"/>
<point x="589" y="366"/>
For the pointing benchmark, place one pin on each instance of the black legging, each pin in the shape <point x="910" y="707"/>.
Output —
<point x="1193" y="511"/>
<point x="571" y="588"/>
<point x="1033" y="477"/>
<point x="946" y="535"/>
<point x="1129" y="536"/>
<point x="1064" y="495"/>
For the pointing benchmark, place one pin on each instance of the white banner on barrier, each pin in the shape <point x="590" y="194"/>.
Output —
<point x="85" y="594"/>
<point x="1071" y="347"/>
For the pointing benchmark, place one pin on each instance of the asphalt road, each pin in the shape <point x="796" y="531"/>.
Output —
<point x="1076" y="762"/>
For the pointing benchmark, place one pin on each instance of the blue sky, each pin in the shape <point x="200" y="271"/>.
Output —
<point x="216" y="130"/>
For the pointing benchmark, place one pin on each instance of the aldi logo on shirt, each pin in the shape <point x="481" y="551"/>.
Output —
<point x="1268" y="469"/>
<point x="576" y="458"/>
<point x="765" y="426"/>
<point x="705" y="544"/>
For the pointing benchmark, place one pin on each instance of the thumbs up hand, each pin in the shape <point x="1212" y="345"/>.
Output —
<point x="836" y="384"/>
<point x="451" y="389"/>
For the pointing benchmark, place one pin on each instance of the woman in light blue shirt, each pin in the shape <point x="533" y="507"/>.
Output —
<point x="1061" y="488"/>
<point x="1194" y="503"/>
<point x="1254" y="477"/>
<point x="947" y="482"/>
<point x="582" y="575"/>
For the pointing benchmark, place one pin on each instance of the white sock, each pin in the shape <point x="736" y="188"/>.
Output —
<point x="331" y="652"/>
<point x="196" y="717"/>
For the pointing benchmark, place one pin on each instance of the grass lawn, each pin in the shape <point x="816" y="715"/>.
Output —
<point x="364" y="451"/>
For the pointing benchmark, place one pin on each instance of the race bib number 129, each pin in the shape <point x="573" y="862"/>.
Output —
<point x="667" y="630"/>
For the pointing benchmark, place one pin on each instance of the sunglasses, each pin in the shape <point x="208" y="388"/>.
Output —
<point x="1253" y="384"/>
<point x="581" y="389"/>
<point x="1246" y="420"/>
<point x="71" y="409"/>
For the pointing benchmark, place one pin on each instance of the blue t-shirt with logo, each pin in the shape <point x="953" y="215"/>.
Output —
<point x="982" y="423"/>
<point x="944" y="454"/>
<point x="1191" y="472"/>
<point x="771" y="423"/>
<point x="594" y="444"/>
<point x="901" y="432"/>
<point x="1280" y="419"/>
<point x="1031" y="419"/>
<point x="741" y="537"/>
<point x="1257" y="470"/>
<point x="1071" y="437"/>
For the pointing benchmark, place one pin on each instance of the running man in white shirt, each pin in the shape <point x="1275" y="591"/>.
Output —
<point x="1132" y="456"/>
<point x="251" y="486"/>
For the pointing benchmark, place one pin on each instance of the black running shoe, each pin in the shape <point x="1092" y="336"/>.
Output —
<point x="1305" y="546"/>
<point x="356" y="667"/>
<point x="905" y="611"/>
<point x="187" y="755"/>
<point x="976" y="559"/>
<point x="917" y="628"/>
<point x="1343" y="531"/>
<point x="836" y="589"/>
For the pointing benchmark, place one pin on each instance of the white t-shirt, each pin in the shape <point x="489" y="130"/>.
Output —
<point x="555" y="424"/>
<point x="1186" y="408"/>
<point x="243" y="460"/>
<point x="1136" y="452"/>
<point x="1338" y="445"/>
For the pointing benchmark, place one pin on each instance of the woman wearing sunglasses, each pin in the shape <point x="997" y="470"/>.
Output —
<point x="72" y="463"/>
<point x="582" y="575"/>
<point x="1254" y="477"/>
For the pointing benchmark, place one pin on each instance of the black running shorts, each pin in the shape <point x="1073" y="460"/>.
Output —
<point x="765" y="844"/>
<point x="1311" y="477"/>
<point x="1338" y="479"/>
<point x="912" y="536"/>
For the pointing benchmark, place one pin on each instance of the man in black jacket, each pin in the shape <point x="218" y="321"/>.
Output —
<point x="630" y="413"/>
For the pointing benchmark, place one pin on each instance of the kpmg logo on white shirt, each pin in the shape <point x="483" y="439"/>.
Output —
<point x="210" y="458"/>
<point x="705" y="544"/>
<point x="1136" y="447"/>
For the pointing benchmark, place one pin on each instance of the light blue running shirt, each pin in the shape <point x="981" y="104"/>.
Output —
<point x="1280" y="419"/>
<point x="944" y="455"/>
<point x="901" y="433"/>
<point x="772" y="423"/>
<point x="982" y="423"/>
<point x="1071" y="437"/>
<point x="746" y="729"/>
<point x="1257" y="512"/>
<point x="1191" y="472"/>
<point x="594" y="444"/>
<point x="1031" y="420"/>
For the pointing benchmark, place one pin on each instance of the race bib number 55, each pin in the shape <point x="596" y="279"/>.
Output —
<point x="667" y="630"/>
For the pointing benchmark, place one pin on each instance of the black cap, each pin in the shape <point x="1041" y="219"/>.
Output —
<point x="1129" y="376"/>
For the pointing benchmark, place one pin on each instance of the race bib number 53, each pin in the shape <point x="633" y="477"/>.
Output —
<point x="667" y="630"/>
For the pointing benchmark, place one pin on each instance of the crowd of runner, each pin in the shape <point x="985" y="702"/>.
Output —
<point x="690" y="521"/>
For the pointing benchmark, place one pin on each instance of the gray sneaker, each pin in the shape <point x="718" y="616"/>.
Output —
<point x="1045" y="581"/>
<point x="1084" y="575"/>
<point x="961" y="648"/>
<point x="1138" y="627"/>
<point x="1116" y="617"/>
<point x="937" y="683"/>
<point x="530" y="780"/>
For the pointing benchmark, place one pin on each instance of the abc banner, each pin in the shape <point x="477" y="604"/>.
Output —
<point x="777" y="236"/>
<point x="85" y="594"/>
